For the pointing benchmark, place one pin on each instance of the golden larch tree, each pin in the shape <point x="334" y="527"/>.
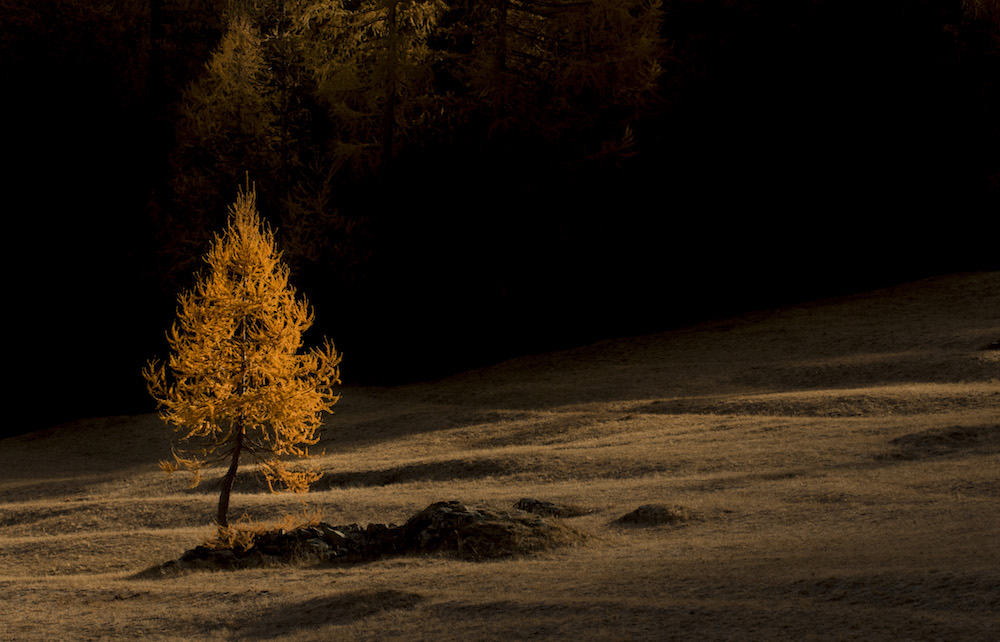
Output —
<point x="235" y="384"/>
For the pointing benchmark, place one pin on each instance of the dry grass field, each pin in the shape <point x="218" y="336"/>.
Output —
<point x="838" y="463"/>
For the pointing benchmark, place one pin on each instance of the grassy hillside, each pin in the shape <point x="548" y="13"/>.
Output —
<point x="837" y="465"/>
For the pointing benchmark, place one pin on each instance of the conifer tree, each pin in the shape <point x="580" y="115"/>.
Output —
<point x="227" y="126"/>
<point x="235" y="384"/>
<point x="572" y="73"/>
<point x="372" y="66"/>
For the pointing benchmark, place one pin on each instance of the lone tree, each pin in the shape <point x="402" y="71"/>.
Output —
<point x="235" y="383"/>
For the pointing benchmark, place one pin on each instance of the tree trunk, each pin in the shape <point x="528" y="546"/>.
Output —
<point x="240" y="429"/>
<point x="392" y="87"/>
<point x="159" y="140"/>
<point x="227" y="481"/>
<point x="500" y="61"/>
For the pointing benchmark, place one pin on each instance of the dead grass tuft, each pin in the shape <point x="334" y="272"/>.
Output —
<point x="241" y="534"/>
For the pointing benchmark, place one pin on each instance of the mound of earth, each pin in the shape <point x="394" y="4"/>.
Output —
<point x="448" y="527"/>
<point x="655" y="514"/>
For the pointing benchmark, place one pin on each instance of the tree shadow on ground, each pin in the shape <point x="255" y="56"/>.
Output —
<point x="249" y="480"/>
<point x="335" y="610"/>
<point x="940" y="442"/>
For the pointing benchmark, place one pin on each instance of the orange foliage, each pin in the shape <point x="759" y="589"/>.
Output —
<point x="235" y="382"/>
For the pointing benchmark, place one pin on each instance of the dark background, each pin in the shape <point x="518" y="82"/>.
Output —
<point x="801" y="150"/>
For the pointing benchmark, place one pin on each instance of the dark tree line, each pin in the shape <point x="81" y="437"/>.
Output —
<point x="469" y="179"/>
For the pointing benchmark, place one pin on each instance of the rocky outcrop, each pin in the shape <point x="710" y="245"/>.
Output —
<point x="316" y="543"/>
<point x="480" y="533"/>
<point x="448" y="527"/>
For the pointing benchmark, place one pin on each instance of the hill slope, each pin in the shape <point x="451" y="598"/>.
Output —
<point x="833" y="469"/>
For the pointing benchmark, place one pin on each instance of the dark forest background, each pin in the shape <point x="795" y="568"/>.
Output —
<point x="788" y="150"/>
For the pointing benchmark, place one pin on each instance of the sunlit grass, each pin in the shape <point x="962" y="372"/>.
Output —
<point x="835" y="464"/>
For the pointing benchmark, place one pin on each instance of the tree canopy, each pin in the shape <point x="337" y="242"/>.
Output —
<point x="236" y="384"/>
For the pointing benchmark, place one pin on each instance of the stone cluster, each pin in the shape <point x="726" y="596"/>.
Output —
<point x="450" y="527"/>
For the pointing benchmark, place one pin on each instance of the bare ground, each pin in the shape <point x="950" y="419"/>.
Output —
<point x="837" y="467"/>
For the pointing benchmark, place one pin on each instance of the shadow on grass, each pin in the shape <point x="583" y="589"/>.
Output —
<point x="336" y="610"/>
<point x="939" y="442"/>
<point x="438" y="471"/>
<point x="250" y="481"/>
